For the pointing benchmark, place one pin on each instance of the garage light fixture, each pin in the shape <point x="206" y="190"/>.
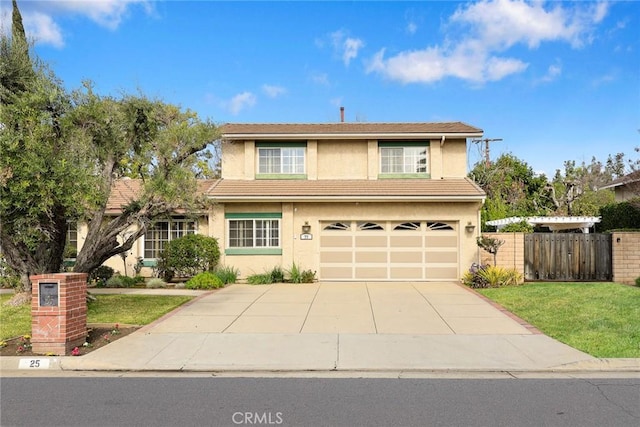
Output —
<point x="306" y="228"/>
<point x="469" y="227"/>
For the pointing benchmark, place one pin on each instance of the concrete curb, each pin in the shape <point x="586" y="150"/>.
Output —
<point x="66" y="363"/>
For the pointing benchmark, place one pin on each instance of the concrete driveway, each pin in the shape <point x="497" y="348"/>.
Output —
<point x="357" y="308"/>
<point x="336" y="327"/>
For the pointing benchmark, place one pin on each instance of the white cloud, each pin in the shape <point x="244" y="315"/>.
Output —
<point x="553" y="72"/>
<point x="320" y="78"/>
<point x="240" y="102"/>
<point x="351" y="47"/>
<point x="346" y="47"/>
<point x="434" y="64"/>
<point x="43" y="29"/>
<point x="488" y="28"/>
<point x="107" y="13"/>
<point x="40" y="18"/>
<point x="273" y="91"/>
<point x="412" y="27"/>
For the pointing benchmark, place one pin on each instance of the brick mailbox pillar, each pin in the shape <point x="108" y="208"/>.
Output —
<point x="58" y="312"/>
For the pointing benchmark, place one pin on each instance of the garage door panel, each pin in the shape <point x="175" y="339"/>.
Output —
<point x="406" y="257"/>
<point x="336" y="241"/>
<point x="442" y="273"/>
<point x="406" y="241"/>
<point x="336" y="257"/>
<point x="336" y="272"/>
<point x="433" y="256"/>
<point x="408" y="273"/>
<point x="441" y="242"/>
<point x="371" y="273"/>
<point x="371" y="241"/>
<point x="372" y="257"/>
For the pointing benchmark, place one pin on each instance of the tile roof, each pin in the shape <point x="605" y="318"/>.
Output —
<point x="327" y="190"/>
<point x="239" y="130"/>
<point x="123" y="191"/>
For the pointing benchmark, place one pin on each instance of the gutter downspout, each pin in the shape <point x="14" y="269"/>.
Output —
<point x="442" y="156"/>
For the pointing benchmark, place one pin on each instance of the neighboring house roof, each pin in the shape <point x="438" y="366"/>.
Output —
<point x="462" y="189"/>
<point x="126" y="190"/>
<point x="239" y="131"/>
<point x="624" y="180"/>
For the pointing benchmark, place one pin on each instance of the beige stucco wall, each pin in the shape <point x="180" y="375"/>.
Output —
<point x="454" y="154"/>
<point x="342" y="160"/>
<point x="233" y="162"/>
<point x="305" y="253"/>
<point x="348" y="159"/>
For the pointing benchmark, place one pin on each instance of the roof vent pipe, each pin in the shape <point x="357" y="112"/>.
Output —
<point x="341" y="114"/>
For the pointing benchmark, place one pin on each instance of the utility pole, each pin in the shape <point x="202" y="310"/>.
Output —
<point x="487" y="159"/>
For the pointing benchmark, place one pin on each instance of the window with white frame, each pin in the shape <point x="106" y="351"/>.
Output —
<point x="162" y="232"/>
<point x="254" y="233"/>
<point x="281" y="159"/>
<point x="404" y="158"/>
<point x="71" y="244"/>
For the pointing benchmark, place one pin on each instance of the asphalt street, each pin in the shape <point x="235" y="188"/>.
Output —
<point x="216" y="401"/>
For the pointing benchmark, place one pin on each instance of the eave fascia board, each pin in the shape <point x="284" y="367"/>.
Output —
<point x="367" y="136"/>
<point x="330" y="199"/>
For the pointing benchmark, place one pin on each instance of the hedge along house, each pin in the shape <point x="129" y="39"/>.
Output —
<point x="351" y="201"/>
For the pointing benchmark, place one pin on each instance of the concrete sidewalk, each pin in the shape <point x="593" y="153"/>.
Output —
<point x="339" y="327"/>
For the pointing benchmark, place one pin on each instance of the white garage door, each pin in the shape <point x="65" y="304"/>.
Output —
<point x="389" y="250"/>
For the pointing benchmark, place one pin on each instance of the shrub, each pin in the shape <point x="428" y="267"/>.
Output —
<point x="308" y="276"/>
<point x="100" y="275"/>
<point x="617" y="216"/>
<point x="137" y="280"/>
<point x="118" y="281"/>
<point x="188" y="256"/>
<point x="474" y="280"/>
<point x="300" y="276"/>
<point x="499" y="276"/>
<point x="489" y="276"/>
<point x="205" y="280"/>
<point x="518" y="227"/>
<point x="260" y="279"/>
<point x="227" y="274"/>
<point x="277" y="275"/>
<point x="156" y="283"/>
<point x="638" y="281"/>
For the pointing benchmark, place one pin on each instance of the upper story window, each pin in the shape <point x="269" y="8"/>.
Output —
<point x="277" y="160"/>
<point x="404" y="158"/>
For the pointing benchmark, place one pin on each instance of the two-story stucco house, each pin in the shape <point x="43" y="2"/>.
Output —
<point x="351" y="201"/>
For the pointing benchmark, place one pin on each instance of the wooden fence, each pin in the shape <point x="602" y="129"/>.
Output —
<point x="567" y="257"/>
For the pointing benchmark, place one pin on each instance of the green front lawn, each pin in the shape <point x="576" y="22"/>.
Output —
<point x="124" y="309"/>
<point x="602" y="319"/>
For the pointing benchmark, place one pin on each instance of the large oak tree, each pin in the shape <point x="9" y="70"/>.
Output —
<point x="60" y="153"/>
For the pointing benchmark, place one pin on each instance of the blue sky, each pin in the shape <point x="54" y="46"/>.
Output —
<point x="555" y="80"/>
